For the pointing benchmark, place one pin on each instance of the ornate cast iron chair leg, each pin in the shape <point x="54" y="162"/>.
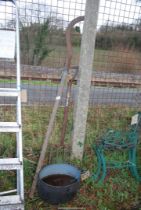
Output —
<point x="100" y="173"/>
<point x="103" y="165"/>
<point x="131" y="163"/>
<point x="133" y="167"/>
<point x="96" y="175"/>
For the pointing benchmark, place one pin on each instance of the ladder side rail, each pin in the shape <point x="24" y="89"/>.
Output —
<point x="20" y="178"/>
<point x="18" y="64"/>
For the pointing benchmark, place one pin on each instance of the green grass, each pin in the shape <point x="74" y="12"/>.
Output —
<point x="116" y="60"/>
<point x="29" y="82"/>
<point x="39" y="82"/>
<point x="119" y="191"/>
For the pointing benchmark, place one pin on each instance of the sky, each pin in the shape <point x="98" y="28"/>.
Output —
<point x="113" y="11"/>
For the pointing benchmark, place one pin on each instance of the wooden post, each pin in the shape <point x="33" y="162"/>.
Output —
<point x="84" y="81"/>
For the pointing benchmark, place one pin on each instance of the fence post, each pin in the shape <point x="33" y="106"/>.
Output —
<point x="84" y="81"/>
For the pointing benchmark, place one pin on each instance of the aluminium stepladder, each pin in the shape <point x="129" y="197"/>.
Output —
<point x="14" y="199"/>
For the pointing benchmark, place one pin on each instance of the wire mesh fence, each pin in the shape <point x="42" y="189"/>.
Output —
<point x="116" y="79"/>
<point x="116" y="75"/>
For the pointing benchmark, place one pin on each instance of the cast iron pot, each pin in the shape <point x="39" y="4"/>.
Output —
<point x="58" y="194"/>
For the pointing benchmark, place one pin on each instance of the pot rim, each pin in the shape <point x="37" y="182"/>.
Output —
<point x="60" y="164"/>
<point x="66" y="186"/>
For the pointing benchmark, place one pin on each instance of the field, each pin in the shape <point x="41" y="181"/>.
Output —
<point x="116" y="60"/>
<point x="119" y="191"/>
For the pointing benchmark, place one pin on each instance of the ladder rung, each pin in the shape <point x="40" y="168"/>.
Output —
<point x="19" y="206"/>
<point x="8" y="192"/>
<point x="10" y="164"/>
<point x="9" y="127"/>
<point x="12" y="199"/>
<point x="9" y="92"/>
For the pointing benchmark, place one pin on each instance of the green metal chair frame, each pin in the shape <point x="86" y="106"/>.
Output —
<point x="118" y="140"/>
